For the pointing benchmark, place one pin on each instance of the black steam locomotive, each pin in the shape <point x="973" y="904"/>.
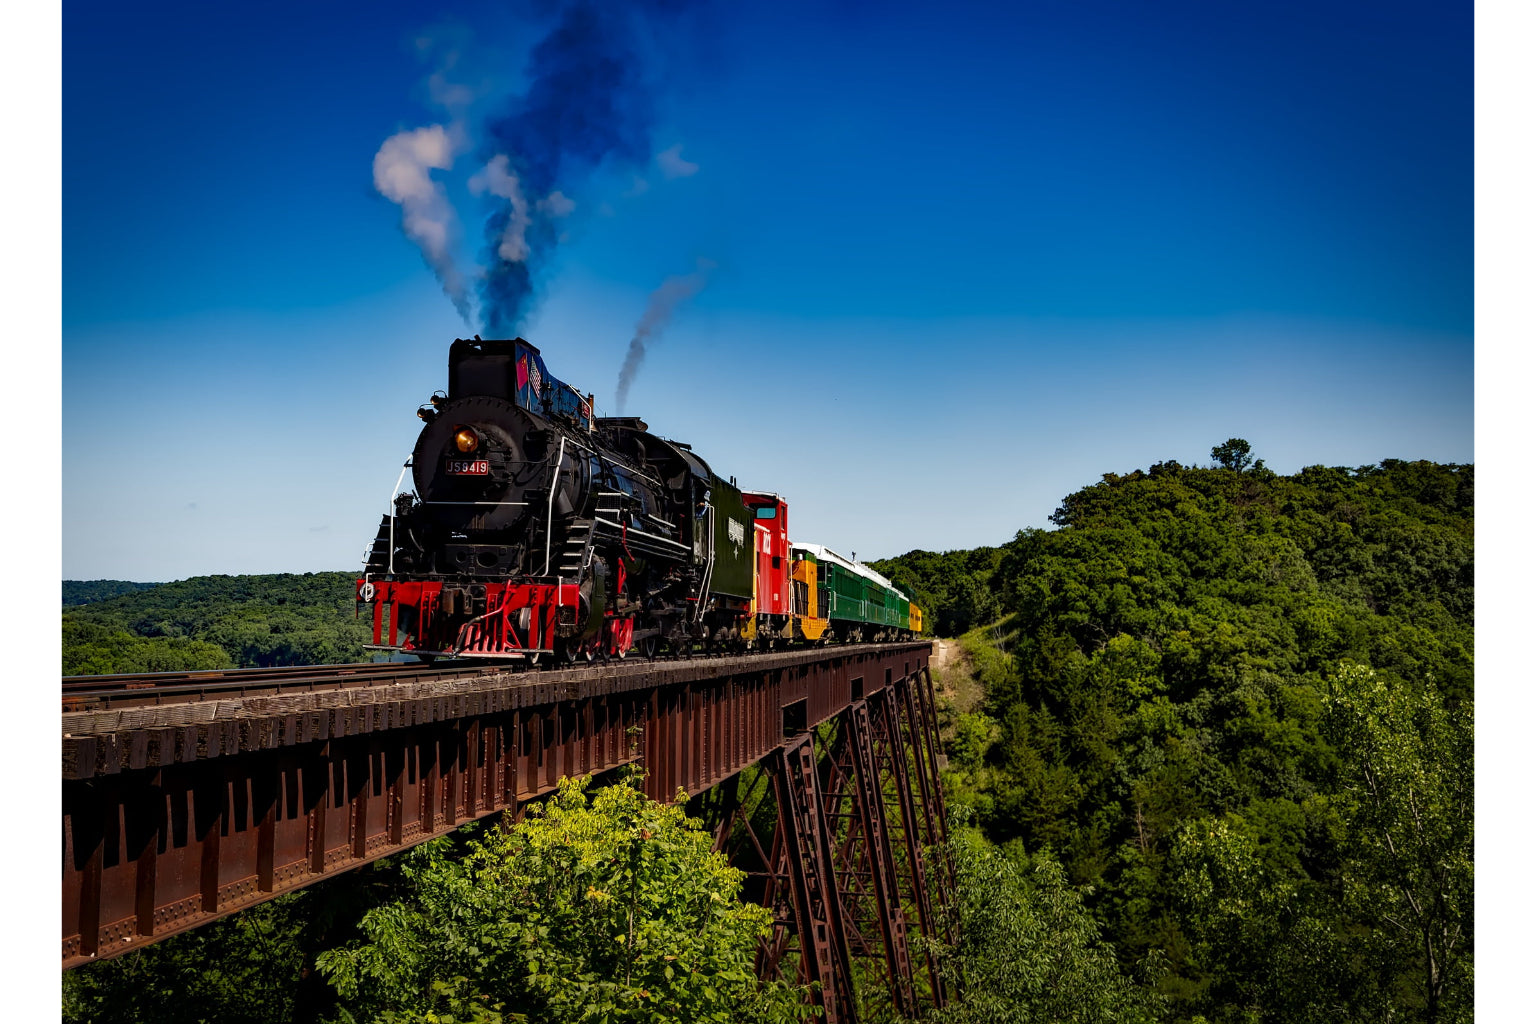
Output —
<point x="536" y="529"/>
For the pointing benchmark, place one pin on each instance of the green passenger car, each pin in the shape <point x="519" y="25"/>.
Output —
<point x="860" y="602"/>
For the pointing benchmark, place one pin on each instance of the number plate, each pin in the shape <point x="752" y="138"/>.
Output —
<point x="469" y="467"/>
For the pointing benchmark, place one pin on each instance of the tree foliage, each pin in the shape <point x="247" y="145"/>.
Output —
<point x="77" y="592"/>
<point x="1027" y="949"/>
<point x="242" y="970"/>
<point x="608" y="908"/>
<point x="953" y="588"/>
<point x="1235" y="454"/>
<point x="1406" y="773"/>
<point x="217" y="622"/>
<point x="1166" y="709"/>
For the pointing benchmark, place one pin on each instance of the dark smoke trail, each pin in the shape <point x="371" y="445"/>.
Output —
<point x="674" y="291"/>
<point x="588" y="104"/>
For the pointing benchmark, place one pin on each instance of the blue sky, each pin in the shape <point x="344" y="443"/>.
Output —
<point x="1008" y="249"/>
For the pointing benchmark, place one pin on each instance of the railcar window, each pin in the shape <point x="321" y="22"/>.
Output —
<point x="768" y="512"/>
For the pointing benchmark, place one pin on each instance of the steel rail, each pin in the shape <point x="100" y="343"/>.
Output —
<point x="197" y="675"/>
<point x="95" y="693"/>
<point x="82" y="693"/>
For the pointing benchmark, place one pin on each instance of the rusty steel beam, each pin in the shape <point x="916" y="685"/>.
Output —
<point x="179" y="813"/>
<point x="833" y="878"/>
<point x="893" y="756"/>
<point x="891" y="921"/>
<point x="818" y="909"/>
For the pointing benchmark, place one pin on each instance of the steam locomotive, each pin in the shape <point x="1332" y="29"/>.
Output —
<point x="536" y="529"/>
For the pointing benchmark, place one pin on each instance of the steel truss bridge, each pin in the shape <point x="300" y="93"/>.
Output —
<point x="188" y="797"/>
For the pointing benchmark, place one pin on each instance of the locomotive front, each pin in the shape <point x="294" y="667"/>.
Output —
<point x="463" y="564"/>
<point x="495" y="467"/>
<point x="534" y="528"/>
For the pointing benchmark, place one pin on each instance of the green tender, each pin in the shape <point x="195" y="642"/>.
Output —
<point x="733" y="558"/>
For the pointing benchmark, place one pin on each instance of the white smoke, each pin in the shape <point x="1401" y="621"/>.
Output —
<point x="498" y="178"/>
<point x="557" y="204"/>
<point x="672" y="164"/>
<point x="402" y="172"/>
<point x="663" y="303"/>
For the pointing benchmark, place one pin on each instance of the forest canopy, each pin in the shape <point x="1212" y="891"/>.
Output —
<point x="1236" y="705"/>
<point x="213" y="622"/>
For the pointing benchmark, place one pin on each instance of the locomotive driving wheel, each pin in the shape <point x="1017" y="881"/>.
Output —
<point x="576" y="652"/>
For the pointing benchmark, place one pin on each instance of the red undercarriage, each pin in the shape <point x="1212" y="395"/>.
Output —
<point x="415" y="621"/>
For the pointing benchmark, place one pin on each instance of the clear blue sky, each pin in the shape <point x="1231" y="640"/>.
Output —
<point x="968" y="257"/>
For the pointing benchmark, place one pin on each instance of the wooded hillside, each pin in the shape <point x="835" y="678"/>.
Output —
<point x="1238" y="706"/>
<point x="218" y="622"/>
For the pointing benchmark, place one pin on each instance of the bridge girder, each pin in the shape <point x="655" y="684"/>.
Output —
<point x="177" y="814"/>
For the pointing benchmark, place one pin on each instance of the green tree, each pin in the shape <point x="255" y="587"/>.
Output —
<point x="214" y="622"/>
<point x="609" y="908"/>
<point x="1234" y="454"/>
<point x="241" y="970"/>
<point x="1407" y="787"/>
<point x="1266" y="945"/>
<point x="1028" y="950"/>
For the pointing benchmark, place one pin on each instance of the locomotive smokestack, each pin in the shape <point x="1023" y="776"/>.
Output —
<point x="674" y="291"/>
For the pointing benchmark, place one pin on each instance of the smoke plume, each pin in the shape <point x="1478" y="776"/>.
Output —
<point x="588" y="104"/>
<point x="674" y="291"/>
<point x="402" y="173"/>
<point x="512" y="246"/>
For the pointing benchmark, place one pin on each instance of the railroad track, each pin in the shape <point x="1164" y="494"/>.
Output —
<point x="98" y="693"/>
<point x="92" y="693"/>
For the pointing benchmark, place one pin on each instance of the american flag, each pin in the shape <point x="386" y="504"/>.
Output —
<point x="535" y="379"/>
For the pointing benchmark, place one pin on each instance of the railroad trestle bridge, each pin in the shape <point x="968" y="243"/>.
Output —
<point x="190" y="800"/>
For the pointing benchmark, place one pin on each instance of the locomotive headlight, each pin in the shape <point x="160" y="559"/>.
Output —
<point x="465" y="440"/>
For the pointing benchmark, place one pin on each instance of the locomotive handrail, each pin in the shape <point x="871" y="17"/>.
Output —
<point x="549" y="526"/>
<point x="641" y="533"/>
<point x="398" y="481"/>
<point x="709" y="565"/>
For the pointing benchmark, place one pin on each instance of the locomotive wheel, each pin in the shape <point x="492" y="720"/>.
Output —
<point x="577" y="653"/>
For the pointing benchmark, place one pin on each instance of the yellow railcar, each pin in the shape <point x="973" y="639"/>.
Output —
<point x="810" y="613"/>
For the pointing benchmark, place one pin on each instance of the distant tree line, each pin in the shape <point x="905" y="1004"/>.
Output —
<point x="215" y="622"/>
<point x="85" y="591"/>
